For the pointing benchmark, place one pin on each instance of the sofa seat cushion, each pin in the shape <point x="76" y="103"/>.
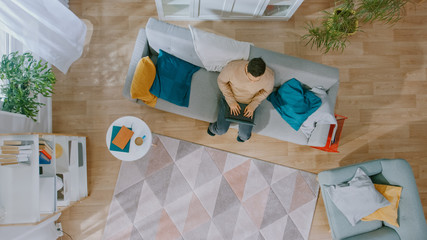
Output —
<point x="341" y="226"/>
<point x="143" y="79"/>
<point x="267" y="115"/>
<point x="173" y="79"/>
<point x="204" y="96"/>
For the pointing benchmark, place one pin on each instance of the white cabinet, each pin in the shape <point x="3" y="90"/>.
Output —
<point x="31" y="192"/>
<point x="277" y="9"/>
<point x="245" y="8"/>
<point x="227" y="9"/>
<point x="175" y="9"/>
<point x="208" y="9"/>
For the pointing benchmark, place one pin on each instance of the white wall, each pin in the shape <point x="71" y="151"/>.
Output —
<point x="17" y="123"/>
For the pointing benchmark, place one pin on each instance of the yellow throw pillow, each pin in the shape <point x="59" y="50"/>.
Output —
<point x="143" y="78"/>
<point x="389" y="213"/>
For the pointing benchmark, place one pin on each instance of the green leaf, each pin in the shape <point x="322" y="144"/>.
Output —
<point x="27" y="78"/>
<point x="335" y="27"/>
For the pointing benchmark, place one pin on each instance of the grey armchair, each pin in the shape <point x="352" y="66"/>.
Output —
<point x="382" y="171"/>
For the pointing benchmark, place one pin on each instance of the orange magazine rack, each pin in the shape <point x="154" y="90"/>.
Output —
<point x="332" y="144"/>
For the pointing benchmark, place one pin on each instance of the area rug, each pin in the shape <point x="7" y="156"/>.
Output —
<point x="181" y="190"/>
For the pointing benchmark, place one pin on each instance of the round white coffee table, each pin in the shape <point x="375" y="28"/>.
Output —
<point x="140" y="129"/>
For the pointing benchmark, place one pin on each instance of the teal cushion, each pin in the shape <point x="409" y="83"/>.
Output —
<point x="173" y="79"/>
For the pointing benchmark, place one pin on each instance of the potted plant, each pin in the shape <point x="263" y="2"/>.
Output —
<point x="389" y="11"/>
<point x="22" y="80"/>
<point x="337" y="26"/>
<point x="335" y="30"/>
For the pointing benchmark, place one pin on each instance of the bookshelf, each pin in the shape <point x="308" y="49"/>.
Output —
<point x="29" y="191"/>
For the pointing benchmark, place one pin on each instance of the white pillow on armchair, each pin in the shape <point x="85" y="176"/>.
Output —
<point x="357" y="198"/>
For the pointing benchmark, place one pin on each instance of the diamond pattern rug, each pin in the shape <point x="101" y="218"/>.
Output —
<point x="185" y="191"/>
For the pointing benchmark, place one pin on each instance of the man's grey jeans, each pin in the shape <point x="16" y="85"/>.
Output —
<point x="221" y="126"/>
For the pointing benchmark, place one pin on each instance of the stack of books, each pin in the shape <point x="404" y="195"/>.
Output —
<point x="15" y="151"/>
<point x="120" y="139"/>
<point x="46" y="152"/>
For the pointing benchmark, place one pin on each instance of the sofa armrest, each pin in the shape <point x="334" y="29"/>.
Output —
<point x="317" y="138"/>
<point x="344" y="174"/>
<point x="411" y="219"/>
<point x="383" y="233"/>
<point x="333" y="93"/>
<point x="140" y="50"/>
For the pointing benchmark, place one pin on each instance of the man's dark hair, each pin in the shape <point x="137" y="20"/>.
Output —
<point x="256" y="67"/>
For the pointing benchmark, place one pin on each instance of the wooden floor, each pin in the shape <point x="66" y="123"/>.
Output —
<point x="383" y="92"/>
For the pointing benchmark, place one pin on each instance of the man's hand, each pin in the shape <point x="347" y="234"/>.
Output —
<point x="234" y="108"/>
<point x="249" y="111"/>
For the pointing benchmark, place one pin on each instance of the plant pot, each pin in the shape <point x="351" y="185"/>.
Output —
<point x="343" y="20"/>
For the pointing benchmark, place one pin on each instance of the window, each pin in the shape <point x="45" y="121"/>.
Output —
<point x="8" y="44"/>
<point x="4" y="49"/>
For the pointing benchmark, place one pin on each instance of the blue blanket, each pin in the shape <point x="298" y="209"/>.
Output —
<point x="294" y="103"/>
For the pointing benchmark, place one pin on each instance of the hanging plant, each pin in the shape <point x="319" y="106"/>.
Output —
<point x="23" y="79"/>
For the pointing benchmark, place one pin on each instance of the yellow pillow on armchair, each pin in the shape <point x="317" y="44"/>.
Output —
<point x="143" y="79"/>
<point x="389" y="213"/>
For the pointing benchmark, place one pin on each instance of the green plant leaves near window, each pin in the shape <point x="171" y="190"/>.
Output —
<point x="24" y="78"/>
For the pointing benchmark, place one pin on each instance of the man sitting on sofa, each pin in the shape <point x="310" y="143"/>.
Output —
<point x="242" y="82"/>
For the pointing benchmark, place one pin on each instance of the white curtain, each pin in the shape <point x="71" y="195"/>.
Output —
<point x="47" y="28"/>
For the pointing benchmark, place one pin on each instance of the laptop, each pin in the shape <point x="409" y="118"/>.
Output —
<point x="238" y="118"/>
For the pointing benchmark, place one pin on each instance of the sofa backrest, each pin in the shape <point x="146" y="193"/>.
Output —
<point x="178" y="42"/>
<point x="172" y="39"/>
<point x="286" y="67"/>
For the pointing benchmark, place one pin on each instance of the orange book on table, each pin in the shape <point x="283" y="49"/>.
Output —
<point x="122" y="138"/>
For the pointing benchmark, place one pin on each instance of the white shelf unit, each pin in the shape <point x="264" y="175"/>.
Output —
<point x="280" y="9"/>
<point x="227" y="9"/>
<point x="175" y="9"/>
<point x="28" y="193"/>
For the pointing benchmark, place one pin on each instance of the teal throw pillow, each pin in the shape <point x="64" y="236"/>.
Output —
<point x="173" y="79"/>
